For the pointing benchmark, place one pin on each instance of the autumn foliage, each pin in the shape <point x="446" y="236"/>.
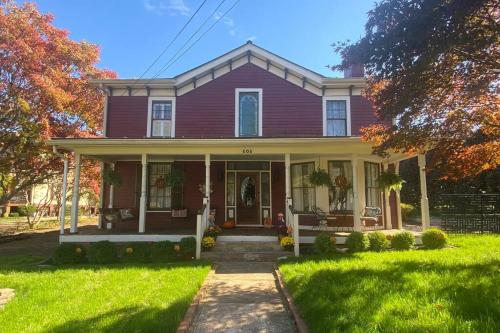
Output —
<point x="44" y="92"/>
<point x="434" y="67"/>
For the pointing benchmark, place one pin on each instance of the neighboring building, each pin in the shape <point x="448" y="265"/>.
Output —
<point x="250" y="125"/>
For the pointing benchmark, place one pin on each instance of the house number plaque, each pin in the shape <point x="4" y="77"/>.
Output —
<point x="247" y="151"/>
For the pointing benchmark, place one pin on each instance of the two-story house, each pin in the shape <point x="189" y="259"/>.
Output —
<point x="249" y="126"/>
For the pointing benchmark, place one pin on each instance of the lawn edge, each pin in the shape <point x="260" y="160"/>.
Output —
<point x="191" y="312"/>
<point x="299" y="322"/>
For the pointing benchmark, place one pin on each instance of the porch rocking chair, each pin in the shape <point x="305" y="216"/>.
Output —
<point x="371" y="215"/>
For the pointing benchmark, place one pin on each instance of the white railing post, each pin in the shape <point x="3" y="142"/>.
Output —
<point x="207" y="188"/>
<point x="355" y="191"/>
<point x="398" y="202"/>
<point x="76" y="195"/>
<point x="199" y="235"/>
<point x="424" y="201"/>
<point x="387" y="204"/>
<point x="111" y="189"/>
<point x="100" y="222"/>
<point x="142" y="203"/>
<point x="295" y="230"/>
<point x="205" y="214"/>
<point x="288" y="191"/>
<point x="64" y="195"/>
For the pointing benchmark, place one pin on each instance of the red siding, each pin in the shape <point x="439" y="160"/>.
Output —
<point x="127" y="117"/>
<point x="362" y="114"/>
<point x="288" y="110"/>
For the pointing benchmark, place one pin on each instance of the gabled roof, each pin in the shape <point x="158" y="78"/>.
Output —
<point x="248" y="50"/>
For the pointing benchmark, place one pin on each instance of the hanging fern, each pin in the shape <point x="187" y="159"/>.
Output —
<point x="390" y="181"/>
<point x="320" y="178"/>
<point x="111" y="177"/>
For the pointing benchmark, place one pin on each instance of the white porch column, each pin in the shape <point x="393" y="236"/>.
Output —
<point x="111" y="190"/>
<point x="142" y="202"/>
<point x="424" y="201"/>
<point x="355" y="191"/>
<point x="398" y="202"/>
<point x="207" y="187"/>
<point x="288" y="190"/>
<point x="76" y="195"/>
<point x="387" y="203"/>
<point x="64" y="195"/>
<point x="100" y="223"/>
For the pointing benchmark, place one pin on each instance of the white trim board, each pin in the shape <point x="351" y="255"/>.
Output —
<point x="152" y="99"/>
<point x="120" y="238"/>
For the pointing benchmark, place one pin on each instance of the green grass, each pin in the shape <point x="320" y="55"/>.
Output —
<point x="449" y="290"/>
<point x="111" y="298"/>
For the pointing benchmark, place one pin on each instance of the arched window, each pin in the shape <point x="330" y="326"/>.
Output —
<point x="248" y="112"/>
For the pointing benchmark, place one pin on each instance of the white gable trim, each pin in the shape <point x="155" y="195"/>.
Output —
<point x="150" y="111"/>
<point x="237" y="109"/>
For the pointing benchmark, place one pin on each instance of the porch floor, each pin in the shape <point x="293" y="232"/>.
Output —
<point x="94" y="230"/>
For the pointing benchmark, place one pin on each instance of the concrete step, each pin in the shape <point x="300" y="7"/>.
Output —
<point x="246" y="247"/>
<point x="263" y="256"/>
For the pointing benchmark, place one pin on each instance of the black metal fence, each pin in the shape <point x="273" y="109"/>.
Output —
<point x="465" y="213"/>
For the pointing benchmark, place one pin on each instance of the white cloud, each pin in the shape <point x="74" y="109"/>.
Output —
<point x="251" y="38"/>
<point x="228" y="22"/>
<point x="173" y="7"/>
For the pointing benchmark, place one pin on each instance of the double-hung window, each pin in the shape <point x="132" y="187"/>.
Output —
<point x="248" y="115"/>
<point x="372" y="190"/>
<point x="340" y="195"/>
<point x="161" y="117"/>
<point x="303" y="192"/>
<point x="160" y="194"/>
<point x="336" y="117"/>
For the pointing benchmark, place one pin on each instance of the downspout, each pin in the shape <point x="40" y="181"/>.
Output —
<point x="62" y="212"/>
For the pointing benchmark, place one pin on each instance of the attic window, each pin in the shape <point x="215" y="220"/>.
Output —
<point x="161" y="117"/>
<point x="248" y="113"/>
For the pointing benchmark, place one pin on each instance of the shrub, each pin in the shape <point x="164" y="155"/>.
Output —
<point x="357" y="242"/>
<point x="69" y="253"/>
<point x="103" y="252"/>
<point x="188" y="246"/>
<point x="403" y="240"/>
<point x="323" y="244"/>
<point x="163" y="251"/>
<point x="434" y="239"/>
<point x="378" y="241"/>
<point x="27" y="210"/>
<point x="207" y="242"/>
<point x="137" y="252"/>
<point x="407" y="210"/>
<point x="14" y="214"/>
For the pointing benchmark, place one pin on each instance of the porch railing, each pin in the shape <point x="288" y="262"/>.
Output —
<point x="464" y="213"/>
<point x="201" y="220"/>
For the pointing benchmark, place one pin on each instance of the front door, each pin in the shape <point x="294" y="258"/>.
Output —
<point x="247" y="197"/>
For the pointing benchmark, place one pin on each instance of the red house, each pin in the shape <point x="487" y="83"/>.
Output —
<point x="251" y="127"/>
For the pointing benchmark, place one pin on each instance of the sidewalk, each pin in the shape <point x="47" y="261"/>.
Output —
<point x="242" y="297"/>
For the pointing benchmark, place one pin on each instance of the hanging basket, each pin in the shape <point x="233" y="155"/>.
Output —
<point x="390" y="181"/>
<point x="111" y="177"/>
<point x="320" y="178"/>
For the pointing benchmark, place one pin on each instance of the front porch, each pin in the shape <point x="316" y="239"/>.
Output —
<point x="249" y="181"/>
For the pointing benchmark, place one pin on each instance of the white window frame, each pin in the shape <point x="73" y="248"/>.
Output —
<point x="150" y="114"/>
<point x="237" y="109"/>
<point x="347" y="100"/>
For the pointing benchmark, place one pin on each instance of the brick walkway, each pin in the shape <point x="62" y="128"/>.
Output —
<point x="242" y="297"/>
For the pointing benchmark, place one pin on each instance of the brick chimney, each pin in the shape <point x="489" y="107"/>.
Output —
<point x="356" y="70"/>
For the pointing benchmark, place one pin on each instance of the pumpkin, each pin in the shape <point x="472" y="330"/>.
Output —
<point x="177" y="247"/>
<point x="229" y="224"/>
<point x="129" y="250"/>
<point x="268" y="223"/>
<point x="78" y="250"/>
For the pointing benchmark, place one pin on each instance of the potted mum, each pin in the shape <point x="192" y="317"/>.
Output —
<point x="287" y="243"/>
<point x="207" y="243"/>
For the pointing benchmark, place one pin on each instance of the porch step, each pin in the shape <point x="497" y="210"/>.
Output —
<point x="246" y="247"/>
<point x="245" y="251"/>
<point x="269" y="256"/>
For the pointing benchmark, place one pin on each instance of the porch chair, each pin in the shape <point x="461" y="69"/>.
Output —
<point x="370" y="217"/>
<point x="321" y="219"/>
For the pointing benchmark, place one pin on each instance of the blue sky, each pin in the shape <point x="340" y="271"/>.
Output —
<point x="132" y="33"/>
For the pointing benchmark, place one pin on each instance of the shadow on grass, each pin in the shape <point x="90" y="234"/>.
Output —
<point x="129" y="319"/>
<point x="395" y="298"/>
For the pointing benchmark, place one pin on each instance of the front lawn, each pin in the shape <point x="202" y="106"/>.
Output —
<point x="111" y="298"/>
<point x="449" y="290"/>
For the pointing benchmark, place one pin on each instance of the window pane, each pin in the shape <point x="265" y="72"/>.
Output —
<point x="341" y="196"/>
<point x="230" y="189"/>
<point x="303" y="193"/>
<point x="162" y="110"/>
<point x="249" y="113"/>
<point x="159" y="193"/>
<point x="336" y="127"/>
<point x="372" y="190"/>
<point x="265" y="189"/>
<point x="336" y="109"/>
